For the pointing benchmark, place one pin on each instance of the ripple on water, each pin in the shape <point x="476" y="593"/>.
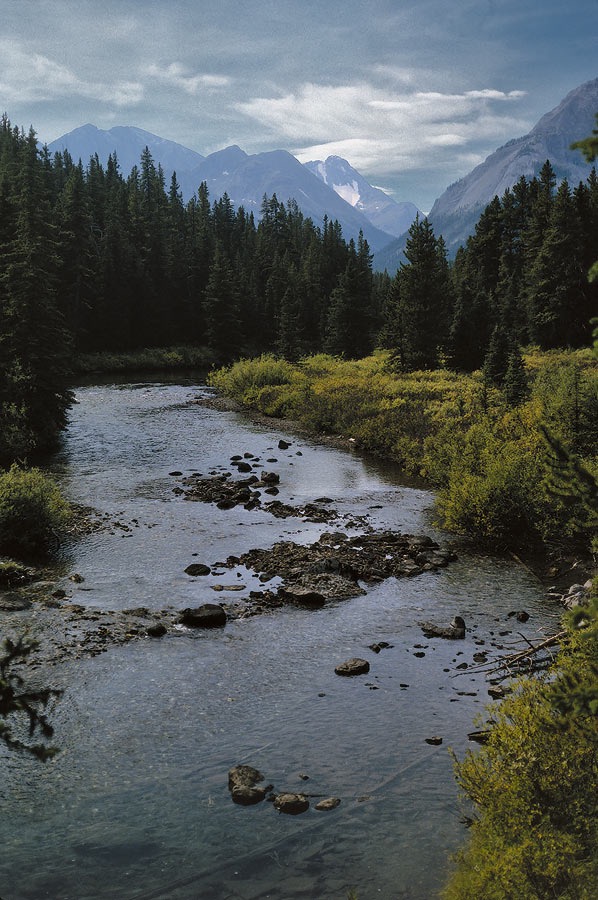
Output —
<point x="136" y="805"/>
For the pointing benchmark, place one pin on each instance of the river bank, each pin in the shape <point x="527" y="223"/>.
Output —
<point x="496" y="477"/>
<point x="149" y="727"/>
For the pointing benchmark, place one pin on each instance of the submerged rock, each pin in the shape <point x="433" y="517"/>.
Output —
<point x="327" y="804"/>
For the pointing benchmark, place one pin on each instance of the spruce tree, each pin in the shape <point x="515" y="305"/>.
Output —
<point x="557" y="288"/>
<point x="349" y="329"/>
<point x="423" y="303"/>
<point x="515" y="384"/>
<point x="34" y="342"/>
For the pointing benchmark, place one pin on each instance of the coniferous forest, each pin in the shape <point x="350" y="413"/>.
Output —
<point x="469" y="372"/>
<point x="94" y="261"/>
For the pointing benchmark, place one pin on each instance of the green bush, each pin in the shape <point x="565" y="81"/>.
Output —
<point x="32" y="511"/>
<point x="533" y="785"/>
<point x="488" y="460"/>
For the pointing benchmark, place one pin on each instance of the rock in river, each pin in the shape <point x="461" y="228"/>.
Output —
<point x="453" y="631"/>
<point x="291" y="804"/>
<point x="209" y="615"/>
<point x="243" y="785"/>
<point x="327" y="804"/>
<point x="354" y="666"/>
<point x="197" y="569"/>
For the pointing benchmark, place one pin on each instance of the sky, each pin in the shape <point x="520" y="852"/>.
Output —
<point x="412" y="94"/>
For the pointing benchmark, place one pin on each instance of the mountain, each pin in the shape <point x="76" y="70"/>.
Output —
<point x="455" y="213"/>
<point x="383" y="212"/>
<point x="128" y="143"/>
<point x="278" y="172"/>
<point x="245" y="178"/>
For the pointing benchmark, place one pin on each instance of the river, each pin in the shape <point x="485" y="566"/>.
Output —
<point x="136" y="805"/>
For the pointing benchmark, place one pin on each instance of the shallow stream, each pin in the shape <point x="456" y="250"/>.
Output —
<point x="136" y="803"/>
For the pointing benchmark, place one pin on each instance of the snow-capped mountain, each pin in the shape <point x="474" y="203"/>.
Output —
<point x="278" y="172"/>
<point x="381" y="210"/>
<point x="245" y="178"/>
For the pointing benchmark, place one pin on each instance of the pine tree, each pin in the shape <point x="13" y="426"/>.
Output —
<point x="423" y="300"/>
<point x="496" y="361"/>
<point x="222" y="309"/>
<point x="350" y="325"/>
<point x="34" y="343"/>
<point x="515" y="385"/>
<point x="557" y="288"/>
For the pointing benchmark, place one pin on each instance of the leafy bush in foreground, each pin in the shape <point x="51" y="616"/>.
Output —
<point x="534" y="786"/>
<point x="32" y="510"/>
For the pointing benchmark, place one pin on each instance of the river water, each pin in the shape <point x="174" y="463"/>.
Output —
<point x="136" y="805"/>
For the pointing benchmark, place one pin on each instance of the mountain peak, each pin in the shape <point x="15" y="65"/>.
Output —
<point x="455" y="213"/>
<point x="384" y="212"/>
<point x="128" y="142"/>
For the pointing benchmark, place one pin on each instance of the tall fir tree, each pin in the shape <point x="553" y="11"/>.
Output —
<point x="423" y="300"/>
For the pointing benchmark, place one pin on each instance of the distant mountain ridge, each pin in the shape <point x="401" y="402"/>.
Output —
<point x="247" y="178"/>
<point x="333" y="188"/>
<point x="128" y="143"/>
<point x="456" y="212"/>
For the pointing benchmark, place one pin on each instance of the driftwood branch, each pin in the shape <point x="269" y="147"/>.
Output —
<point x="506" y="664"/>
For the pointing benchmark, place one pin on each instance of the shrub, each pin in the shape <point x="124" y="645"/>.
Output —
<point x="32" y="511"/>
<point x="533" y="785"/>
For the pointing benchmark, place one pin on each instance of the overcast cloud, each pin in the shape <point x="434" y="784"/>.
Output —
<point x="413" y="94"/>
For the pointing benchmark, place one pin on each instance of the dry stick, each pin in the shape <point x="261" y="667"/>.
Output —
<point x="514" y="658"/>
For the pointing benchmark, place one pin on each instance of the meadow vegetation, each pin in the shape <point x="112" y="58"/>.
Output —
<point x="489" y="460"/>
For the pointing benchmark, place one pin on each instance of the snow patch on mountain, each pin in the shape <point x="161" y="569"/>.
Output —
<point x="349" y="193"/>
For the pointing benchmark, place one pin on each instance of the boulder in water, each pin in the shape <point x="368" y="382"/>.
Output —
<point x="354" y="666"/>
<point x="453" y="631"/>
<point x="209" y="615"/>
<point x="291" y="804"/>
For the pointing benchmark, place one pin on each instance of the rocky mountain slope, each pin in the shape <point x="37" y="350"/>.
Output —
<point x="382" y="211"/>
<point x="455" y="213"/>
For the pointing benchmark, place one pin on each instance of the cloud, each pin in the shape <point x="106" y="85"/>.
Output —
<point x="27" y="77"/>
<point x="176" y="76"/>
<point x="379" y="131"/>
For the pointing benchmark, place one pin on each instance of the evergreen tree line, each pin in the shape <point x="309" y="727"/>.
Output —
<point x="521" y="278"/>
<point x="92" y="261"/>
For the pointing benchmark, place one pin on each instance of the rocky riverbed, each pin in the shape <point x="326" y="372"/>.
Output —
<point x="338" y="566"/>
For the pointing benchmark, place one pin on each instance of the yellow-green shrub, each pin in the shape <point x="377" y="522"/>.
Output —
<point x="534" y="789"/>
<point x="32" y="511"/>
<point x="488" y="460"/>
